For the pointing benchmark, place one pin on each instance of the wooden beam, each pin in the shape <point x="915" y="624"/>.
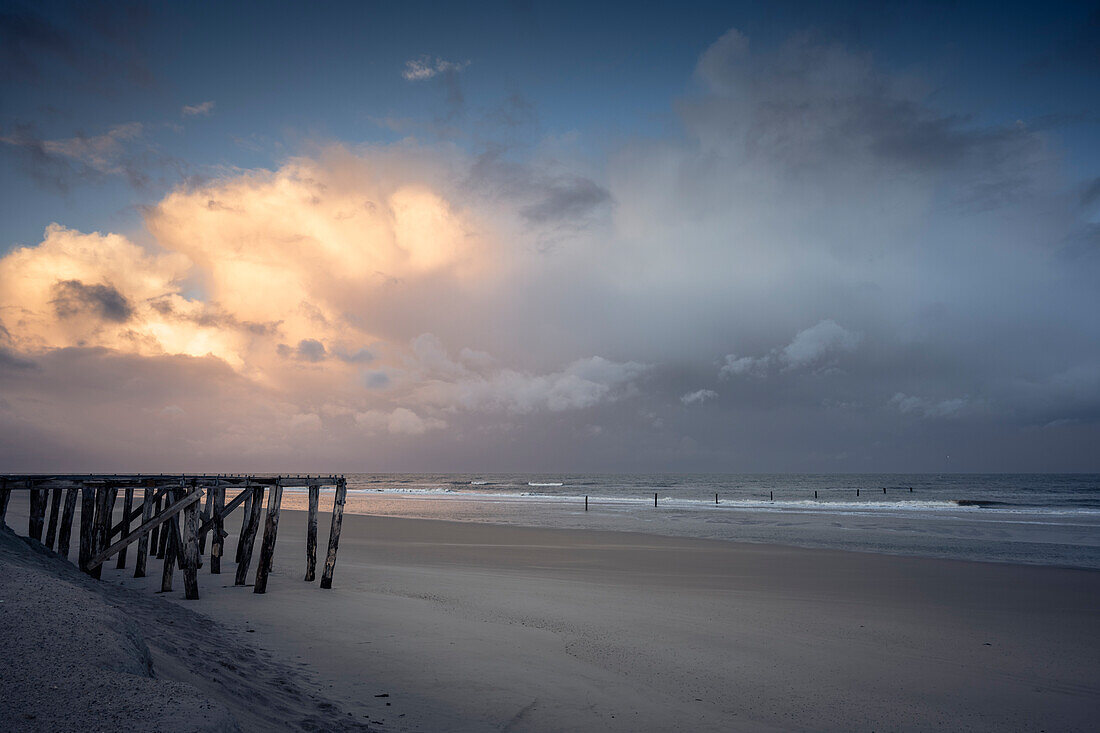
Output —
<point x="162" y="541"/>
<point x="248" y="535"/>
<point x="129" y="516"/>
<point x="55" y="511"/>
<point x="206" y="518"/>
<point x="229" y="508"/>
<point x="334" y="533"/>
<point x="271" y="529"/>
<point x="170" y="512"/>
<point x="66" y="530"/>
<point x="311" y="534"/>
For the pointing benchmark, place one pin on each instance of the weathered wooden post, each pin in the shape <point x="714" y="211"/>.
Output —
<point x="5" y="494"/>
<point x="334" y="532"/>
<point x="217" y="542"/>
<point x="271" y="529"/>
<point x="64" y="534"/>
<point x="311" y="533"/>
<point x="127" y="507"/>
<point x="655" y="499"/>
<point x="101" y="525"/>
<point x="246" y="517"/>
<point x="190" y="548"/>
<point x="586" y="502"/>
<point x="170" y="533"/>
<point x="154" y="535"/>
<point x="87" y="524"/>
<point x="206" y="517"/>
<point x="162" y="544"/>
<point x="37" y="518"/>
<point x="143" y="542"/>
<point x="248" y="535"/>
<point x="55" y="510"/>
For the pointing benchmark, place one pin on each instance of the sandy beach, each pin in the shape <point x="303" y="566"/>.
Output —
<point x="436" y="625"/>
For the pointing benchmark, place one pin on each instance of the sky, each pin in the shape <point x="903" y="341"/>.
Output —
<point x="667" y="237"/>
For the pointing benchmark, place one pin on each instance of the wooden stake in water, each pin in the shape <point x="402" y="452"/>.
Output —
<point x="586" y="502"/>
<point x="716" y="498"/>
<point x="654" y="499"/>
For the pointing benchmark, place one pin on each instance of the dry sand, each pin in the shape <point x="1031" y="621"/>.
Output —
<point x="470" y="627"/>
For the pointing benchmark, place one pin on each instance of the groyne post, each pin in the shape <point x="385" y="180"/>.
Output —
<point x="248" y="536"/>
<point x="716" y="498"/>
<point x="217" y="541"/>
<point x="311" y="534"/>
<point x="190" y="550"/>
<point x="245" y="519"/>
<point x="143" y="542"/>
<point x="654" y="498"/>
<point x="586" y="502"/>
<point x="271" y="529"/>
<point x="65" y="531"/>
<point x="87" y="524"/>
<point x="127" y="507"/>
<point x="37" y="517"/>
<point x="334" y="532"/>
<point x="55" y="510"/>
<point x="5" y="494"/>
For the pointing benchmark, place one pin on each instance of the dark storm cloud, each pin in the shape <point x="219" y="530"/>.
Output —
<point x="546" y="198"/>
<point x="72" y="297"/>
<point x="94" y="43"/>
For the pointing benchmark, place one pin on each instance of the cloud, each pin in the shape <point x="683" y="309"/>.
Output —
<point x="73" y="297"/>
<point x="310" y="350"/>
<point x="399" y="421"/>
<point x="203" y="109"/>
<point x="424" y="68"/>
<point x="808" y="348"/>
<point x="909" y="404"/>
<point x="698" y="396"/>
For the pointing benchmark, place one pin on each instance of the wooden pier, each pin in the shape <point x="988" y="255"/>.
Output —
<point x="173" y="521"/>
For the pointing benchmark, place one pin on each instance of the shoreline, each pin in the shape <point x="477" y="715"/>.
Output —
<point x="468" y="626"/>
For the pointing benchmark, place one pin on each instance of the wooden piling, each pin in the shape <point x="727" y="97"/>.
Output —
<point x="190" y="549"/>
<point x="884" y="489"/>
<point x="206" y="517"/>
<point x="64" y="532"/>
<point x="586" y="502"/>
<point x="771" y="496"/>
<point x="857" y="492"/>
<point x="334" y="532"/>
<point x="654" y="499"/>
<point x="271" y="529"/>
<point x="815" y="493"/>
<point x="168" y="531"/>
<point x="100" y="524"/>
<point x="154" y="536"/>
<point x="143" y="543"/>
<point x="55" y="510"/>
<point x="217" y="541"/>
<point x="248" y="535"/>
<point x="37" y="519"/>
<point x="162" y="543"/>
<point x="127" y="507"/>
<point x="5" y="494"/>
<point x="716" y="499"/>
<point x="245" y="519"/>
<point x="311" y="533"/>
<point x="87" y="524"/>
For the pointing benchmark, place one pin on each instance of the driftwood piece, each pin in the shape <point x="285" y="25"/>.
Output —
<point x="55" y="510"/>
<point x="37" y="519"/>
<point x="64" y="533"/>
<point x="334" y="532"/>
<point x="248" y="536"/>
<point x="217" y="542"/>
<point x="190" y="550"/>
<point x="311" y="534"/>
<point x="140" y="561"/>
<point x="87" y="525"/>
<point x="271" y="529"/>
<point x="127" y="507"/>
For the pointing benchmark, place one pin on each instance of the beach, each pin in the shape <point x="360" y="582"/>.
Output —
<point x="437" y="625"/>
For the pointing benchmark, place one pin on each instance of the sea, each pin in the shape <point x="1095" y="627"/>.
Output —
<point x="1045" y="519"/>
